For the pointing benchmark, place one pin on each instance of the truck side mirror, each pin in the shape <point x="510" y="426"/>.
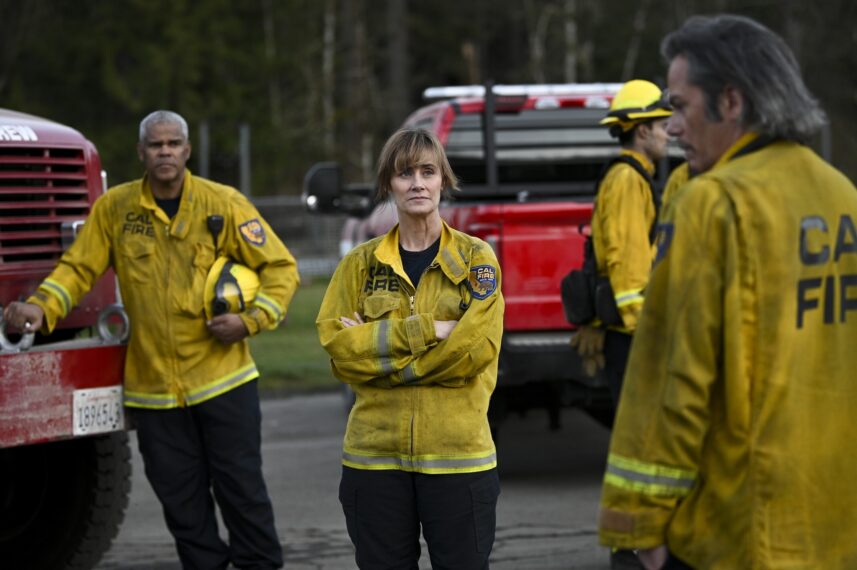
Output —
<point x="358" y="200"/>
<point x="322" y="188"/>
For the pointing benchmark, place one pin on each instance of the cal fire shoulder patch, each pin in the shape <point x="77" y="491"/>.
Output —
<point x="253" y="232"/>
<point x="482" y="281"/>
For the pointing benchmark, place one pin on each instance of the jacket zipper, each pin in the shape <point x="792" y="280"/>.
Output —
<point x="413" y="301"/>
<point x="414" y="393"/>
<point x="168" y="257"/>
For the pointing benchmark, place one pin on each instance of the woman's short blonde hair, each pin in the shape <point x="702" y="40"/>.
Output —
<point x="407" y="148"/>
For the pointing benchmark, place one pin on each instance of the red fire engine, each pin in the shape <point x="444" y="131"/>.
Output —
<point x="64" y="455"/>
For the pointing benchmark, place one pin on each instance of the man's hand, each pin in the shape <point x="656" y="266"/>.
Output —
<point x="227" y="328"/>
<point x="653" y="558"/>
<point x="589" y="342"/>
<point x="442" y="329"/>
<point x="24" y="316"/>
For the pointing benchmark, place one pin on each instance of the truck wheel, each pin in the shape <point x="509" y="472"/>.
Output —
<point x="63" y="502"/>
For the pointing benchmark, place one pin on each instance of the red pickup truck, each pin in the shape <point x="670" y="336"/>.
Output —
<point x="528" y="157"/>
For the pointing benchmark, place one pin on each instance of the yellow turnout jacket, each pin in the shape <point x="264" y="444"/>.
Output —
<point x="678" y="178"/>
<point x="621" y="221"/>
<point x="733" y="442"/>
<point x="421" y="403"/>
<point x="161" y="266"/>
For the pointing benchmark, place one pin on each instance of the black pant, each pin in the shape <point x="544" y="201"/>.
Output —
<point x="215" y="445"/>
<point x="384" y="511"/>
<point x="674" y="563"/>
<point x="617" y="347"/>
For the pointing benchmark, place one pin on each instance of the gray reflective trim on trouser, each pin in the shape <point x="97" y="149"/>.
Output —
<point x="661" y="480"/>
<point x="226" y="384"/>
<point x="417" y="463"/>
<point x="384" y="329"/>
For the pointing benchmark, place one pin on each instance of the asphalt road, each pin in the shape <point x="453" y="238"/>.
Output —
<point x="546" y="515"/>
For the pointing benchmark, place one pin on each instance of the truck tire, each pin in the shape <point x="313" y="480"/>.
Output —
<point x="63" y="502"/>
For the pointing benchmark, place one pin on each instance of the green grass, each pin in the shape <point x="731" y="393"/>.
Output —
<point x="290" y="358"/>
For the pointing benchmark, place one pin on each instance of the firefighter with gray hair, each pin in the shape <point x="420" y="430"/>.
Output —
<point x="732" y="442"/>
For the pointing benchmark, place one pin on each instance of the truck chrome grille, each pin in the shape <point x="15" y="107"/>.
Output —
<point x="43" y="190"/>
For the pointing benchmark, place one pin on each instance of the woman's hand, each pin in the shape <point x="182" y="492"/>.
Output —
<point x="357" y="320"/>
<point x="442" y="329"/>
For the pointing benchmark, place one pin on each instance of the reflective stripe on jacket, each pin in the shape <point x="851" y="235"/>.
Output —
<point x="733" y="440"/>
<point x="621" y="221"/>
<point x="421" y="403"/>
<point x="161" y="266"/>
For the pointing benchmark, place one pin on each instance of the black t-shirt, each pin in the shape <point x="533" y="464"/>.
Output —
<point x="169" y="206"/>
<point x="415" y="262"/>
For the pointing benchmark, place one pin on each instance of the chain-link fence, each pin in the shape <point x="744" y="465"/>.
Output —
<point x="312" y="239"/>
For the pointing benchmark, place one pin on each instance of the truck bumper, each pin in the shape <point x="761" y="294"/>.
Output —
<point x="540" y="370"/>
<point x="543" y="356"/>
<point x="37" y="388"/>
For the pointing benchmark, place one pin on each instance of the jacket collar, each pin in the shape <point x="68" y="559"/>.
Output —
<point x="740" y="146"/>
<point x="644" y="160"/>
<point x="449" y="257"/>
<point x="180" y="224"/>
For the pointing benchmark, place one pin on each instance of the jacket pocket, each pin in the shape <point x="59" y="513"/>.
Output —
<point x="484" y="494"/>
<point x="381" y="305"/>
<point x="136" y="261"/>
<point x="449" y="308"/>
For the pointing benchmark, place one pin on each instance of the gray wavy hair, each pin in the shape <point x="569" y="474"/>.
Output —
<point x="729" y="50"/>
<point x="163" y="116"/>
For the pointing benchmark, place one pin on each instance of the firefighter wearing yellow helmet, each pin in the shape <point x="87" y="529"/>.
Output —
<point x="623" y="220"/>
<point x="636" y="102"/>
<point x="229" y="288"/>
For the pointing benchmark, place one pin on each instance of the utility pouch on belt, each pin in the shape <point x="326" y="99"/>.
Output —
<point x="587" y="295"/>
<point x="577" y="289"/>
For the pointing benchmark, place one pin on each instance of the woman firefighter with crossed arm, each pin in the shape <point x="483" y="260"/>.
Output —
<point x="412" y="320"/>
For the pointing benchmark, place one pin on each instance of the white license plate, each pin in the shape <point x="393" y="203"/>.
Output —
<point x="98" y="410"/>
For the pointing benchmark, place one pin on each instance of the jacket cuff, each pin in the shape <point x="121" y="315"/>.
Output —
<point x="420" y="331"/>
<point x="256" y="320"/>
<point x="621" y="529"/>
<point x="51" y="307"/>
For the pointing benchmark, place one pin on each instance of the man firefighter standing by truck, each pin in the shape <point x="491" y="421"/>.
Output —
<point x="199" y="271"/>
<point x="623" y="220"/>
<point x="732" y="446"/>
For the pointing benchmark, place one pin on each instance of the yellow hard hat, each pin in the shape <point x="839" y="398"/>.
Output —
<point x="635" y="102"/>
<point x="229" y="288"/>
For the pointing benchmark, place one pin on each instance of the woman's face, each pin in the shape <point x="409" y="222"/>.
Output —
<point x="417" y="189"/>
